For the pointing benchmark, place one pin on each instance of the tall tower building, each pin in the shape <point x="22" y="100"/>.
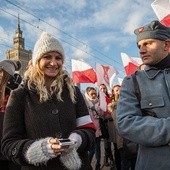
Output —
<point x="18" y="52"/>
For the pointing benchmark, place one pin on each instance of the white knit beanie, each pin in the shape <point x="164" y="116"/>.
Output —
<point x="46" y="43"/>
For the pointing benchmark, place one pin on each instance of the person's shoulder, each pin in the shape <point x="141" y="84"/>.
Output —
<point x="137" y="73"/>
<point x="22" y="88"/>
<point x="127" y="79"/>
<point x="77" y="89"/>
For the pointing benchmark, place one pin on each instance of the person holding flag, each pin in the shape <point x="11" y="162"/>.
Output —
<point x="105" y="99"/>
<point x="95" y="113"/>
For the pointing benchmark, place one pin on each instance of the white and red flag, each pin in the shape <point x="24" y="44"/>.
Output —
<point x="103" y="103"/>
<point x="82" y="72"/>
<point x="111" y="80"/>
<point x="130" y="63"/>
<point x="105" y="73"/>
<point x="162" y="11"/>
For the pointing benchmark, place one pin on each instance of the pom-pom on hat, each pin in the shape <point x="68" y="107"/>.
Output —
<point x="153" y="30"/>
<point x="10" y="66"/>
<point x="46" y="43"/>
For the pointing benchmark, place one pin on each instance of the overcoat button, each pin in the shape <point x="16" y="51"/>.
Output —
<point x="150" y="104"/>
<point x="54" y="111"/>
<point x="14" y="151"/>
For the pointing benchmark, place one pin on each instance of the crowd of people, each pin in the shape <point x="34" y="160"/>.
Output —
<point x="47" y="123"/>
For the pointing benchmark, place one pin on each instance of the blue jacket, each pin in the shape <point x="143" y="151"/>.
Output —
<point x="152" y="133"/>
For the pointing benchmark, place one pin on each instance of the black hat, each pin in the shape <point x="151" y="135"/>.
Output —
<point x="153" y="30"/>
<point x="10" y="66"/>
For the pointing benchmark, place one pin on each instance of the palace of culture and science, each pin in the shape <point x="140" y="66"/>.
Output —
<point x="18" y="52"/>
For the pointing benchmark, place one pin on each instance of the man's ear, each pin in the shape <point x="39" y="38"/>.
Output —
<point x="167" y="45"/>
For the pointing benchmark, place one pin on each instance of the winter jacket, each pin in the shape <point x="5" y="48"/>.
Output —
<point x="27" y="120"/>
<point x="152" y="133"/>
<point x="118" y="139"/>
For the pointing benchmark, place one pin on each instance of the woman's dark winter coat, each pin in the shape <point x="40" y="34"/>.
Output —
<point x="27" y="120"/>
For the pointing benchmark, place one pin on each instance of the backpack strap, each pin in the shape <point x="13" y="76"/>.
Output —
<point x="138" y="95"/>
<point x="136" y="86"/>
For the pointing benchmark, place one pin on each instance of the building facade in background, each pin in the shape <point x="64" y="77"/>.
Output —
<point x="18" y="52"/>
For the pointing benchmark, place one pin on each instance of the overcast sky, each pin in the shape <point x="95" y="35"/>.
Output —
<point x="95" y="31"/>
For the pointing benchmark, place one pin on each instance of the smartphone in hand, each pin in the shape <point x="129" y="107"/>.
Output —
<point x="66" y="142"/>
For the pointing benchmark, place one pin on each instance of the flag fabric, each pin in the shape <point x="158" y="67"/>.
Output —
<point x="130" y="64"/>
<point x="104" y="73"/>
<point x="103" y="103"/>
<point x="162" y="11"/>
<point x="120" y="80"/>
<point x="82" y="72"/>
<point x="111" y="80"/>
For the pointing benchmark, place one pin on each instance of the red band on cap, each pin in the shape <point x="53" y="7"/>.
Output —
<point x="140" y="29"/>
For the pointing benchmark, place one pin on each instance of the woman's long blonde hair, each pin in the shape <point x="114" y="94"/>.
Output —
<point x="35" y="77"/>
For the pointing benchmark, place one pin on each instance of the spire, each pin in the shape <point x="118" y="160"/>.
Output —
<point x="18" y="31"/>
<point x="18" y="22"/>
<point x="18" y="39"/>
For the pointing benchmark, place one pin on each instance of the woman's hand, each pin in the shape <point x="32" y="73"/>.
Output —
<point x="56" y="147"/>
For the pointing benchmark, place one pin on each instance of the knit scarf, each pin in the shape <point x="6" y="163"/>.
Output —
<point x="93" y="101"/>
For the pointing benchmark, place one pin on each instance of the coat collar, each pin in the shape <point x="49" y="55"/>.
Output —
<point x="151" y="72"/>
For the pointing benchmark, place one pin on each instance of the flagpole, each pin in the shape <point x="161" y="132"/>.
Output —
<point x="96" y="84"/>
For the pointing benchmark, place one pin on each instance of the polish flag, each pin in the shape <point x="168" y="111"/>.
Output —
<point x="162" y="11"/>
<point x="83" y="72"/>
<point x="130" y="64"/>
<point x="105" y="73"/>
